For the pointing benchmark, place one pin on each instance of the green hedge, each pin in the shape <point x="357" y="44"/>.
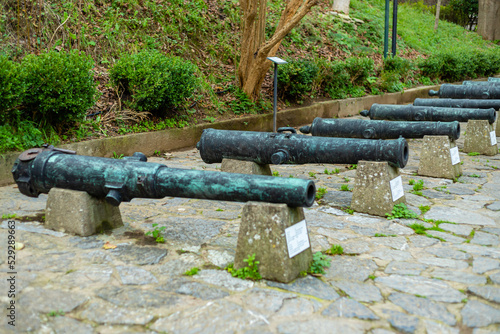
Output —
<point x="155" y="82"/>
<point x="59" y="86"/>
<point x="11" y="89"/>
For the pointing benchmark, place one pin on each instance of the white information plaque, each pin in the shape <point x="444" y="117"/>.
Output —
<point x="297" y="238"/>
<point x="397" y="188"/>
<point x="455" y="157"/>
<point x="493" y="137"/>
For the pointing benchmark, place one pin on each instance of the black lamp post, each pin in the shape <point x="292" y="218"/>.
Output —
<point x="276" y="62"/>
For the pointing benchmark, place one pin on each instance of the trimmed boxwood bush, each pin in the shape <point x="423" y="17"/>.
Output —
<point x="59" y="87"/>
<point x="296" y="78"/>
<point x="456" y="65"/>
<point x="11" y="89"/>
<point x="155" y="82"/>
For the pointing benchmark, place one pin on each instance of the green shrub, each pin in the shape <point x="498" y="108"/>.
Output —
<point x="59" y="87"/>
<point x="391" y="82"/>
<point x="341" y="79"/>
<point x="11" y="89"/>
<point x="154" y="81"/>
<point x="20" y="137"/>
<point x="242" y="104"/>
<point x="333" y="77"/>
<point x="296" y="78"/>
<point x="359" y="69"/>
<point x="460" y="11"/>
<point x="456" y="65"/>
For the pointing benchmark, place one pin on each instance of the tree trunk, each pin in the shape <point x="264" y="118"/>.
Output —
<point x="438" y="9"/>
<point x="255" y="49"/>
<point x="341" y="6"/>
<point x="488" y="19"/>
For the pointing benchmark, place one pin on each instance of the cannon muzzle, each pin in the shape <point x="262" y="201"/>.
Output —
<point x="37" y="171"/>
<point x="279" y="148"/>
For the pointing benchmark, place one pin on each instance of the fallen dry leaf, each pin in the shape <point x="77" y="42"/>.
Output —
<point x="107" y="245"/>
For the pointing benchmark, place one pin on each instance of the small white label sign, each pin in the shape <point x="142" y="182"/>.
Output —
<point x="397" y="188"/>
<point x="297" y="238"/>
<point x="493" y="137"/>
<point x="455" y="157"/>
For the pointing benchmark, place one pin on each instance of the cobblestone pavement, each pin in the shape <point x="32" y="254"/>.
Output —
<point x="390" y="279"/>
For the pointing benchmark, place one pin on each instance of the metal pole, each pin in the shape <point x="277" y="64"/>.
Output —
<point x="394" y="26"/>
<point x="386" y="29"/>
<point x="275" y="95"/>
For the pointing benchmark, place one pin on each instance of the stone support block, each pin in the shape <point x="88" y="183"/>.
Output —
<point x="372" y="192"/>
<point x="496" y="125"/>
<point x="262" y="231"/>
<point x="245" y="167"/>
<point x="436" y="158"/>
<point x="478" y="138"/>
<point x="77" y="212"/>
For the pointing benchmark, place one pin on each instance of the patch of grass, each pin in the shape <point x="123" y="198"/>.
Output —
<point x="472" y="154"/>
<point x="156" y="233"/>
<point x="353" y="166"/>
<point x="312" y="174"/>
<point x="319" y="262"/>
<point x="348" y="210"/>
<point x="276" y="173"/>
<point x="335" y="250"/>
<point x="346" y="179"/>
<point x="117" y="156"/>
<point x="251" y="271"/>
<point x="345" y="187"/>
<point x="411" y="182"/>
<point x="401" y="211"/>
<point x="372" y="277"/>
<point x="58" y="313"/>
<point x="473" y="175"/>
<point x="219" y="210"/>
<point x="418" y="228"/>
<point x="332" y="172"/>
<point x="320" y="193"/>
<point x="424" y="208"/>
<point x="9" y="216"/>
<point x="191" y="272"/>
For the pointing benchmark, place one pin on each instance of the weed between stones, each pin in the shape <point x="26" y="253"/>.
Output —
<point x="250" y="272"/>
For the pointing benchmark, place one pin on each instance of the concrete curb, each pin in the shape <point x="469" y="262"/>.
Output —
<point x="175" y="139"/>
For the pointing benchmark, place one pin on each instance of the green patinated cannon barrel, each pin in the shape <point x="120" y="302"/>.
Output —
<point x="467" y="91"/>
<point x="37" y="171"/>
<point x="278" y="148"/>
<point x="459" y="103"/>
<point x="369" y="129"/>
<point x="409" y="112"/>
<point x="479" y="83"/>
<point x="491" y="79"/>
